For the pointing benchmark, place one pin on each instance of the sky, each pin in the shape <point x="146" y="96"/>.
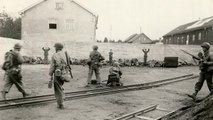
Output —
<point x="118" y="19"/>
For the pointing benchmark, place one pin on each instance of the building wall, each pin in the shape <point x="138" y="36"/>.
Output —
<point x="195" y="37"/>
<point x="35" y="24"/>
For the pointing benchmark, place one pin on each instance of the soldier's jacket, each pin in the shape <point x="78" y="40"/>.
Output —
<point x="95" y="57"/>
<point x="207" y="58"/>
<point x="58" y="60"/>
<point x="110" y="53"/>
<point x="115" y="70"/>
<point x="13" y="60"/>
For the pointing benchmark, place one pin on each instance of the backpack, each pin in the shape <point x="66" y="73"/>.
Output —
<point x="7" y="64"/>
<point x="95" y="57"/>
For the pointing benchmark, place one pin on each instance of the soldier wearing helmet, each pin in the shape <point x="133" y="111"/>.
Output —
<point x="12" y="67"/>
<point x="94" y="60"/>
<point x="58" y="65"/>
<point x="114" y="75"/>
<point x="206" y="69"/>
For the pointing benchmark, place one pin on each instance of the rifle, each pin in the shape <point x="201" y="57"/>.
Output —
<point x="68" y="64"/>
<point x="191" y="55"/>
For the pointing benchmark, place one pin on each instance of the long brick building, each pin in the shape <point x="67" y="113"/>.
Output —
<point x="193" y="33"/>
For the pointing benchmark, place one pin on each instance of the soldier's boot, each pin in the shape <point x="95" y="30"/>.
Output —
<point x="61" y="107"/>
<point x="25" y="94"/>
<point x="88" y="85"/>
<point x="193" y="96"/>
<point x="4" y="95"/>
<point x="99" y="85"/>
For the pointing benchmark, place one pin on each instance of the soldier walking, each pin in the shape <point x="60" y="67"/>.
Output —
<point x="94" y="65"/>
<point x="57" y="65"/>
<point x="12" y="67"/>
<point x="205" y="63"/>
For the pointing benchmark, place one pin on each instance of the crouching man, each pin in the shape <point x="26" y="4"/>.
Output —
<point x="114" y="75"/>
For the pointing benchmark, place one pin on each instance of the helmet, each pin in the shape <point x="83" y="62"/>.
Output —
<point x="206" y="45"/>
<point x="95" y="47"/>
<point x="17" y="46"/>
<point x="116" y="63"/>
<point x="58" y="46"/>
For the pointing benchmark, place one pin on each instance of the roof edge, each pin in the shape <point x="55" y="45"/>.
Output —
<point x="31" y="6"/>
<point x="40" y="1"/>
<point x="83" y="7"/>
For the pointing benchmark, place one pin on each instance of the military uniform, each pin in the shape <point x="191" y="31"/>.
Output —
<point x="12" y="67"/>
<point x="206" y="61"/>
<point x="94" y="65"/>
<point x="58" y="61"/>
<point x="110" y="57"/>
<point x="204" y="74"/>
<point x="114" y="74"/>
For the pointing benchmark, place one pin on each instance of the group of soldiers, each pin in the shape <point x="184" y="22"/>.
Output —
<point x="60" y="61"/>
<point x="57" y="72"/>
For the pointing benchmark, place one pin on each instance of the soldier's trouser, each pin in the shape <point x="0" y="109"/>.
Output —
<point x="58" y="89"/>
<point x="204" y="76"/>
<point x="110" y="60"/>
<point x="11" y="79"/>
<point x="97" y="74"/>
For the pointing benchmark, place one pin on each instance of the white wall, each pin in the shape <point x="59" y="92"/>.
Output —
<point x="35" y="26"/>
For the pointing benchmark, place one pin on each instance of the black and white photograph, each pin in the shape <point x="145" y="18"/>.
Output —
<point x="106" y="59"/>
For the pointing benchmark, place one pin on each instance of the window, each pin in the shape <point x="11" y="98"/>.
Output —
<point x="69" y="24"/>
<point x="193" y="38"/>
<point x="199" y="36"/>
<point x="59" y="6"/>
<point x="182" y="39"/>
<point x="187" y="40"/>
<point x="52" y="24"/>
<point x="177" y="40"/>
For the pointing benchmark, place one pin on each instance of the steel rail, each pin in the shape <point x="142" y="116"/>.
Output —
<point x="133" y="114"/>
<point x="95" y="92"/>
<point x="92" y="90"/>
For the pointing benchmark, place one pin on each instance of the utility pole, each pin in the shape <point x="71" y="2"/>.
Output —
<point x="110" y="32"/>
<point x="140" y="29"/>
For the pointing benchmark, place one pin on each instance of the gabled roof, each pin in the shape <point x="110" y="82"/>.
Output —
<point x="130" y="37"/>
<point x="136" y="36"/>
<point x="41" y="1"/>
<point x="206" y="22"/>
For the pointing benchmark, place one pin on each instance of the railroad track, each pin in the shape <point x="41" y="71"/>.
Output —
<point x="144" y="114"/>
<point x="34" y="100"/>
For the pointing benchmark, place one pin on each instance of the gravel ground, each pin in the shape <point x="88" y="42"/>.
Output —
<point x="104" y="107"/>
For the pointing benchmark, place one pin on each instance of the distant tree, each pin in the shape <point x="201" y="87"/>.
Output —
<point x="105" y="40"/>
<point x="10" y="28"/>
<point x="119" y="41"/>
<point x="17" y="28"/>
<point x="111" y="41"/>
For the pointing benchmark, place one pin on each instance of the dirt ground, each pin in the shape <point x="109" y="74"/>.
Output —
<point x="106" y="107"/>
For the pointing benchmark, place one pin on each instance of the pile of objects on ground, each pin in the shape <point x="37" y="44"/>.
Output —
<point x="122" y="62"/>
<point x="34" y="60"/>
